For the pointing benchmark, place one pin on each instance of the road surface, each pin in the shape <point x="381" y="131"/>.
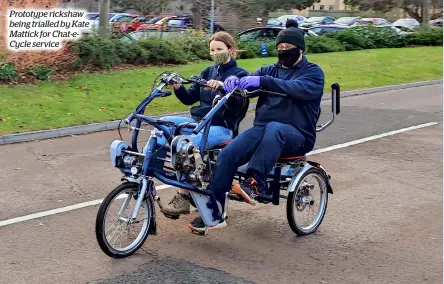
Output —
<point x="383" y="222"/>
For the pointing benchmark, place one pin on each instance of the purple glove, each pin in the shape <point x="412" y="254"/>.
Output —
<point x="250" y="81"/>
<point x="230" y="83"/>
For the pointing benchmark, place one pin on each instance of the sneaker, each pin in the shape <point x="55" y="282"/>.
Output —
<point x="180" y="204"/>
<point x="198" y="225"/>
<point x="248" y="190"/>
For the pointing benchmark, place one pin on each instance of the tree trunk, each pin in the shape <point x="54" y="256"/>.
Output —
<point x="103" y="18"/>
<point x="426" y="13"/>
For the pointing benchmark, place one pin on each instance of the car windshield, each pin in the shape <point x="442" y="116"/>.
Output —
<point x="314" y="19"/>
<point x="345" y="20"/>
<point x="154" y="20"/>
<point x="92" y="16"/>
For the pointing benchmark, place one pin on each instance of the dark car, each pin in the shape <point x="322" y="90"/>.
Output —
<point x="314" y="21"/>
<point x="187" y="23"/>
<point x="264" y="34"/>
<point x="324" y="29"/>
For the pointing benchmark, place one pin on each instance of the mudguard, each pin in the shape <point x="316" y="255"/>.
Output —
<point x="310" y="164"/>
<point x="116" y="150"/>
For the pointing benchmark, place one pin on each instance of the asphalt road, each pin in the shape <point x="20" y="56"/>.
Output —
<point x="383" y="222"/>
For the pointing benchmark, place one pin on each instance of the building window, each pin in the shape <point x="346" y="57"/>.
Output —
<point x="321" y="7"/>
<point x="332" y="7"/>
<point x="313" y="7"/>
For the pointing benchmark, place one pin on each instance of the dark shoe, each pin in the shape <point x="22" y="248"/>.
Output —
<point x="180" y="204"/>
<point x="248" y="190"/>
<point x="198" y="226"/>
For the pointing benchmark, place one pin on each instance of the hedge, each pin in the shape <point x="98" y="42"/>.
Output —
<point x="96" y="53"/>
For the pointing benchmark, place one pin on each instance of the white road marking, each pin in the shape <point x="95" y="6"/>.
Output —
<point x="374" y="137"/>
<point x="165" y="186"/>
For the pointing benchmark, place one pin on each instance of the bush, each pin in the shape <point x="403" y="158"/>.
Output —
<point x="322" y="44"/>
<point x="249" y="50"/>
<point x="41" y="72"/>
<point x="427" y="37"/>
<point x="106" y="53"/>
<point x="351" y="40"/>
<point x="194" y="45"/>
<point x="97" y="52"/>
<point x="8" y="72"/>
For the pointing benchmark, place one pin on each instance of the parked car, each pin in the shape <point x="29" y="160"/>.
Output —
<point x="409" y="24"/>
<point x="313" y="21"/>
<point x="372" y="22"/>
<point x="96" y="21"/>
<point x="346" y="21"/>
<point x="297" y="18"/>
<point x="134" y="24"/>
<point x="273" y="22"/>
<point x="324" y="29"/>
<point x="120" y="19"/>
<point x="435" y="23"/>
<point x="156" y="23"/>
<point x="186" y="22"/>
<point x="264" y="34"/>
<point x="144" y="34"/>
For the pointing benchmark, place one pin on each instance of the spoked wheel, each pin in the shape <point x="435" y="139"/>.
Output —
<point x="307" y="204"/>
<point x="118" y="234"/>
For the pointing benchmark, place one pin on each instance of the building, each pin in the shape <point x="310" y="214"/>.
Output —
<point x="324" y="6"/>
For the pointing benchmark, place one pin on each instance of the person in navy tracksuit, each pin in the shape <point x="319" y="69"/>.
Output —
<point x="223" y="52"/>
<point x="283" y="126"/>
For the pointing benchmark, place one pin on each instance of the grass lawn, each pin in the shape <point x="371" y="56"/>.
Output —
<point x="90" y="98"/>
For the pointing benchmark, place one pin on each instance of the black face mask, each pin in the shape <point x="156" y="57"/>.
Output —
<point x="289" y="57"/>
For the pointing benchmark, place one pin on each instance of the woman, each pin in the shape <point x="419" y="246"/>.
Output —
<point x="223" y="52"/>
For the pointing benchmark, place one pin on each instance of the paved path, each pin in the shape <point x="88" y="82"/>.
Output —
<point x="383" y="223"/>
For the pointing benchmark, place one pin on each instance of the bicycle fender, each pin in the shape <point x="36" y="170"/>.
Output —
<point x="326" y="175"/>
<point x="309" y="165"/>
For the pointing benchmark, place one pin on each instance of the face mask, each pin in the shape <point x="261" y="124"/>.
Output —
<point x="289" y="57"/>
<point x="220" y="58"/>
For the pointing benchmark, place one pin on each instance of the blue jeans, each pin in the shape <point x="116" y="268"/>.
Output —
<point x="261" y="146"/>
<point x="216" y="135"/>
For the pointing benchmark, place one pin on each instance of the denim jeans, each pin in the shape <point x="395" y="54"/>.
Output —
<point x="261" y="146"/>
<point x="216" y="135"/>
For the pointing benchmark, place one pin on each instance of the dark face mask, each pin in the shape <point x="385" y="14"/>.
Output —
<point x="289" y="57"/>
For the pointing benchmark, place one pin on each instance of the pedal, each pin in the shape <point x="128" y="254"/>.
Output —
<point x="198" y="232"/>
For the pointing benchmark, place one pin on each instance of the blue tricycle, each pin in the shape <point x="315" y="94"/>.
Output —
<point x="179" y="163"/>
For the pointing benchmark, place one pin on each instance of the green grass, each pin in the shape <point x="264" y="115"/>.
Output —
<point x="90" y="98"/>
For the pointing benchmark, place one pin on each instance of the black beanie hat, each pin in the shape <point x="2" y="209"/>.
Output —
<point x="292" y="34"/>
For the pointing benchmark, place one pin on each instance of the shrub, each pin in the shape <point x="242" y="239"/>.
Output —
<point x="194" y="45"/>
<point x="249" y="50"/>
<point x="322" y="44"/>
<point x="41" y="72"/>
<point x="425" y="37"/>
<point x="160" y="52"/>
<point x="351" y="40"/>
<point x="97" y="52"/>
<point x="8" y="72"/>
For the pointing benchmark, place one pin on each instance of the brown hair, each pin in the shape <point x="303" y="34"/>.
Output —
<point x="227" y="39"/>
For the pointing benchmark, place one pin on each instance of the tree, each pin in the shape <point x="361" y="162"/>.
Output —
<point x="264" y="7"/>
<point x="142" y="6"/>
<point x="414" y="8"/>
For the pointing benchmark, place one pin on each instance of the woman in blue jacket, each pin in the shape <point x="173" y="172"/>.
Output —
<point x="223" y="52"/>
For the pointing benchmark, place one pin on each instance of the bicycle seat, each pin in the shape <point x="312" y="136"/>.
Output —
<point x="291" y="159"/>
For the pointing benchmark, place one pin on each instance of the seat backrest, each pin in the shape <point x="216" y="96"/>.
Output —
<point x="241" y="115"/>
